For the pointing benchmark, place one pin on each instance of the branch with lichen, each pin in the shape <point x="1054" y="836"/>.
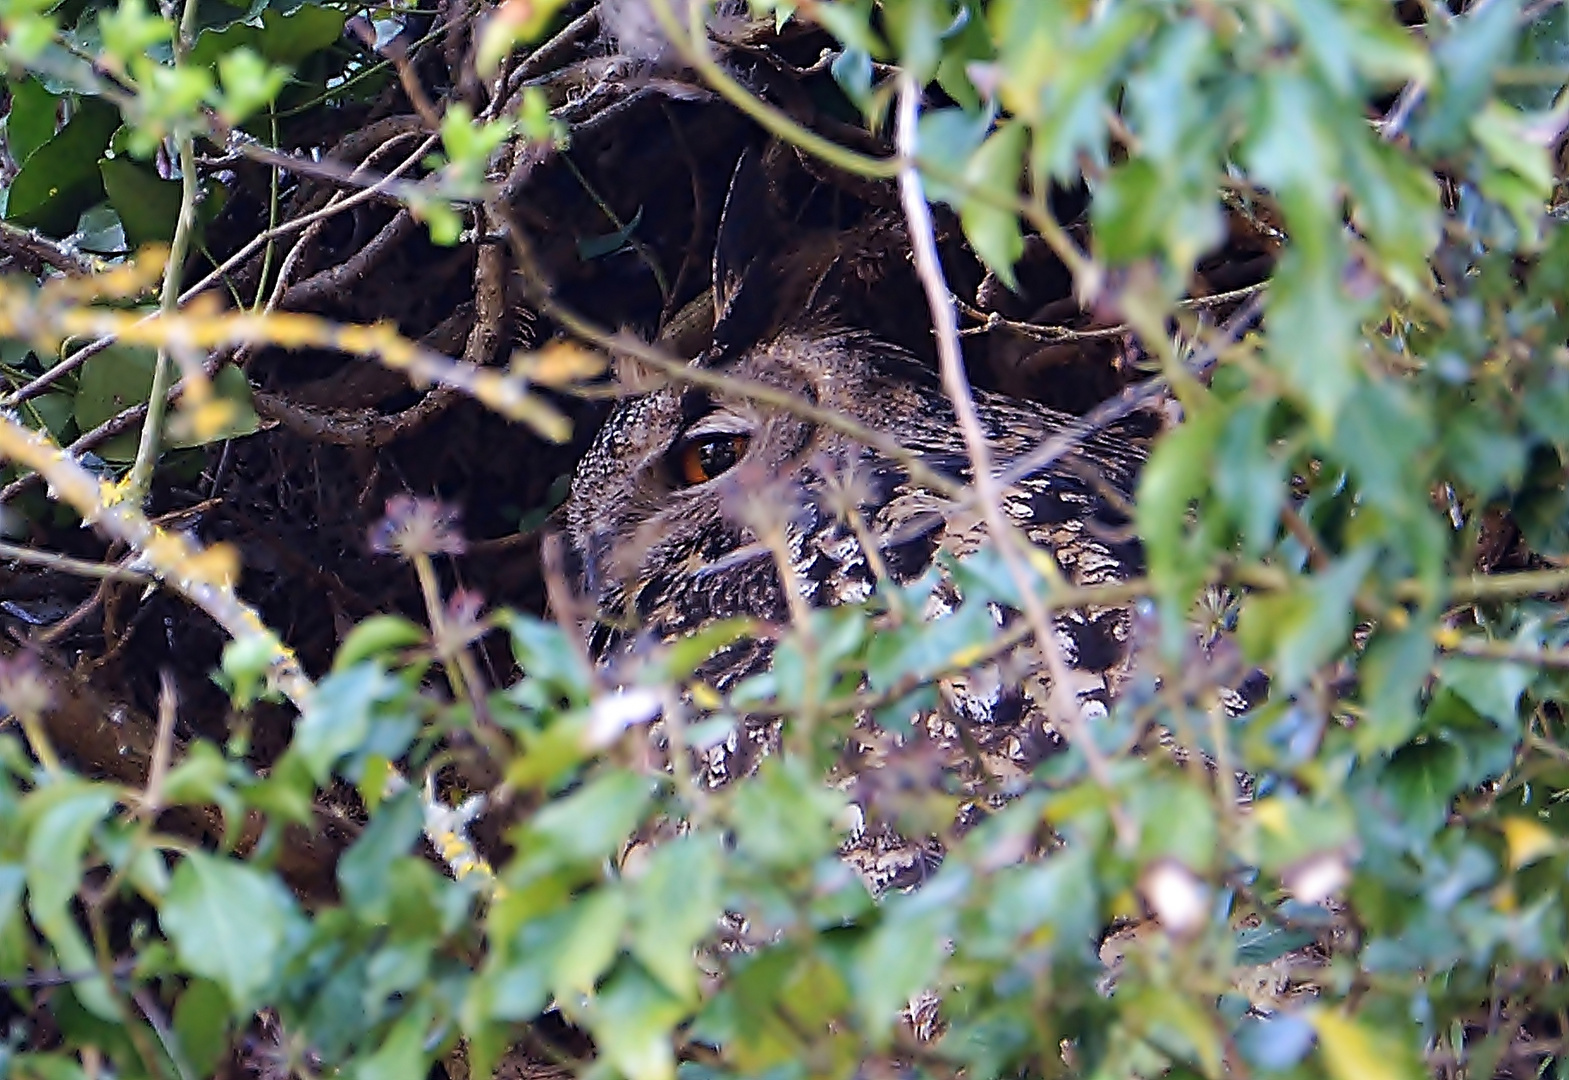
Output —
<point x="57" y="311"/>
<point x="206" y="576"/>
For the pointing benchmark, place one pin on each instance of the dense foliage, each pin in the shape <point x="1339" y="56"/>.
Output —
<point x="1365" y="496"/>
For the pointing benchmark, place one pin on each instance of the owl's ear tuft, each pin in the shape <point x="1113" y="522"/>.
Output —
<point x="746" y="225"/>
<point x="748" y="234"/>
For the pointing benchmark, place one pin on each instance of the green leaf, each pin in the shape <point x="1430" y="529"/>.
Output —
<point x="337" y="717"/>
<point x="784" y="816"/>
<point x="543" y="652"/>
<point x="1250" y="478"/>
<point x="285" y="39"/>
<point x="1314" y="337"/>
<point x="1290" y="149"/>
<point x="1422" y="780"/>
<point x="365" y="870"/>
<point x="406" y="1050"/>
<point x="986" y="212"/>
<point x="245" y="664"/>
<point x="31" y="122"/>
<point x="15" y="936"/>
<point x="1291" y="828"/>
<point x="1470" y="50"/>
<point x="1302" y="627"/>
<point x="1179" y="1020"/>
<point x="228" y="922"/>
<point x="52" y="412"/>
<point x="120" y="377"/>
<point x="914" y="29"/>
<point x="64" y="816"/>
<point x="678" y="904"/>
<point x="946" y="140"/>
<point x="1129" y="210"/>
<point x="632" y="1021"/>
<point x="203" y="776"/>
<point x="49" y="1067"/>
<point x="148" y="205"/>
<point x="60" y="179"/>
<point x="597" y="247"/>
<point x="376" y="636"/>
<point x="1267" y="942"/>
<point x="1381" y="433"/>
<point x="1176" y="474"/>
<point x="897" y="961"/>
<point x="1053" y="901"/>
<point x="201" y="1026"/>
<point x="1276" y="1043"/>
<point x="1491" y="687"/>
<point x="129" y="31"/>
<point x="1176" y="820"/>
<point x="1395" y="669"/>
<point x="1397" y="207"/>
<point x="592" y="943"/>
<point x="594" y="822"/>
<point x="114" y="380"/>
<point x="249" y="83"/>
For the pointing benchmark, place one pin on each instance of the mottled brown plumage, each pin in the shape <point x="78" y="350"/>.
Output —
<point x="662" y="556"/>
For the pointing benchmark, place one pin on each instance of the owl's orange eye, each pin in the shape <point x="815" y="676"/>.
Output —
<point x="707" y="456"/>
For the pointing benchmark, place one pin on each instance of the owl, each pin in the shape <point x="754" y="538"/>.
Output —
<point x="696" y="504"/>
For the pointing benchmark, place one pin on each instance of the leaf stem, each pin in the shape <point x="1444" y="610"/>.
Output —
<point x="140" y="478"/>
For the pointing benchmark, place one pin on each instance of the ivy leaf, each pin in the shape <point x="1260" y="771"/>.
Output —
<point x="60" y="179"/>
<point x="31" y="122"/>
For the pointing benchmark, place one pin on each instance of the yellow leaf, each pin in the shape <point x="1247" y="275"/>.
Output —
<point x="1271" y="814"/>
<point x="704" y="696"/>
<point x="1527" y="840"/>
<point x="1352" y="1052"/>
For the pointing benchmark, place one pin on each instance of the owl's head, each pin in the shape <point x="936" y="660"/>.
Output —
<point x="671" y="509"/>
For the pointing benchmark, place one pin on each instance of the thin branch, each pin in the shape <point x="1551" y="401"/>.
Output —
<point x="1065" y="708"/>
<point x="200" y="575"/>
<point x="990" y="320"/>
<point x="15" y="240"/>
<point x="81" y="356"/>
<point x="53" y="560"/>
<point x="147" y="448"/>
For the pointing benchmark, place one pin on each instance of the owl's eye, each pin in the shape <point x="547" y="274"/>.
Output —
<point x="707" y="456"/>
